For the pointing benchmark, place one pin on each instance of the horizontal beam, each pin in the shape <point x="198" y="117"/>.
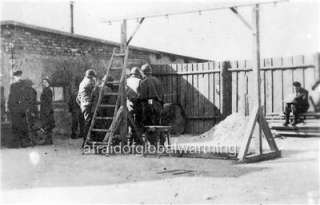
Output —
<point x="189" y="73"/>
<point x="195" y="11"/>
<point x="234" y="70"/>
<point x="272" y="68"/>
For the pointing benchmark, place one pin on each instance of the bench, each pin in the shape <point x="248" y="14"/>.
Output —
<point x="160" y="129"/>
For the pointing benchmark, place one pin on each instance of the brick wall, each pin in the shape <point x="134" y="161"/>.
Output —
<point x="64" y="57"/>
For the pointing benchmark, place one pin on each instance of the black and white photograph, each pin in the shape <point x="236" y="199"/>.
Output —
<point x="160" y="102"/>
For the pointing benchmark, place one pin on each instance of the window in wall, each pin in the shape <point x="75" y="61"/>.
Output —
<point x="58" y="95"/>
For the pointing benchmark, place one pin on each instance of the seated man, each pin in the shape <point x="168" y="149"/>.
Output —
<point x="297" y="104"/>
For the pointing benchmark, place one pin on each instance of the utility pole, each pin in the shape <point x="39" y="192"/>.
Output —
<point x="71" y="17"/>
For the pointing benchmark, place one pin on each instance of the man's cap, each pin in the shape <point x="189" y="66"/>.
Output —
<point x="296" y="84"/>
<point x="135" y="71"/>
<point x="91" y="73"/>
<point x="17" y="73"/>
<point x="47" y="79"/>
<point x="146" y="69"/>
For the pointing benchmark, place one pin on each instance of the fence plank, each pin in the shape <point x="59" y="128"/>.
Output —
<point x="241" y="92"/>
<point x="268" y="91"/>
<point x="217" y="88"/>
<point x="263" y="90"/>
<point x="234" y="91"/>
<point x="195" y="108"/>
<point x="310" y="76"/>
<point x="203" y="85"/>
<point x="182" y="86"/>
<point x="191" y="97"/>
<point x="212" y="88"/>
<point x="277" y="84"/>
<point x="287" y="78"/>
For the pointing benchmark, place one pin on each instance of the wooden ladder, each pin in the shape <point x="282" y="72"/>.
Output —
<point x="121" y="59"/>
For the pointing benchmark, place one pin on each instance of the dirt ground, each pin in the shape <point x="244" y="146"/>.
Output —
<point x="59" y="173"/>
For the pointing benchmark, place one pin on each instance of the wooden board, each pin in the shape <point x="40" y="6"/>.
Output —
<point x="235" y="86"/>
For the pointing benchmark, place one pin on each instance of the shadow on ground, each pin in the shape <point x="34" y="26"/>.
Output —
<point x="64" y="165"/>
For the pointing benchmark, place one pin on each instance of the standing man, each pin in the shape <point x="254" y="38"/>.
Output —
<point x="297" y="105"/>
<point x="46" y="110"/>
<point x="17" y="106"/>
<point x="85" y="98"/>
<point x="77" y="117"/>
<point x="134" y="104"/>
<point x="151" y="94"/>
<point x="3" y="105"/>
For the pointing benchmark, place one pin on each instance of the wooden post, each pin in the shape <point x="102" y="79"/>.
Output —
<point x="226" y="89"/>
<point x="256" y="65"/>
<point x="123" y="49"/>
<point x="123" y="37"/>
<point x="71" y="17"/>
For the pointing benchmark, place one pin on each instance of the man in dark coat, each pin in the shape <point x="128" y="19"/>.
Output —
<point x="85" y="97"/>
<point x="77" y="117"/>
<point x="18" y="106"/>
<point x="46" y="110"/>
<point x="150" y="93"/>
<point x="298" y="104"/>
<point x="3" y="105"/>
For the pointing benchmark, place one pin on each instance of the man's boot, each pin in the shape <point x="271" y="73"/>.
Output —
<point x="286" y="120"/>
<point x="295" y="115"/>
<point x="294" y="121"/>
<point x="73" y="136"/>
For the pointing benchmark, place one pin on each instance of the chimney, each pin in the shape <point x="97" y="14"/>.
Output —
<point x="71" y="17"/>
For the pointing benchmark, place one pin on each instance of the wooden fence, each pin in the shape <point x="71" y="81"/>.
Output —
<point x="202" y="91"/>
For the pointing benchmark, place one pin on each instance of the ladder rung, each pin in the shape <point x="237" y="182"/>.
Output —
<point x="107" y="105"/>
<point x="104" y="118"/>
<point x="119" y="54"/>
<point x="116" y="68"/>
<point x="116" y="82"/>
<point x="109" y="93"/>
<point x="100" y="130"/>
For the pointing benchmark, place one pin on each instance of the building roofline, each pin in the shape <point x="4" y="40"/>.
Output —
<point x="49" y="30"/>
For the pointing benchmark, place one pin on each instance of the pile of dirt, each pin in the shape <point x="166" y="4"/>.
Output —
<point x="228" y="133"/>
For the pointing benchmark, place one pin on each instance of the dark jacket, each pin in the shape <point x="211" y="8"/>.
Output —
<point x="46" y="109"/>
<point x="150" y="88"/>
<point x="22" y="97"/>
<point x="72" y="103"/>
<point x="301" y="98"/>
<point x="16" y="101"/>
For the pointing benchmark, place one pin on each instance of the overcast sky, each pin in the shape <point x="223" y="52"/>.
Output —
<point x="290" y="28"/>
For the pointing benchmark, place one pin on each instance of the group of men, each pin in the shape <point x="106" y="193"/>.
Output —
<point x="23" y="112"/>
<point x="144" y="101"/>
